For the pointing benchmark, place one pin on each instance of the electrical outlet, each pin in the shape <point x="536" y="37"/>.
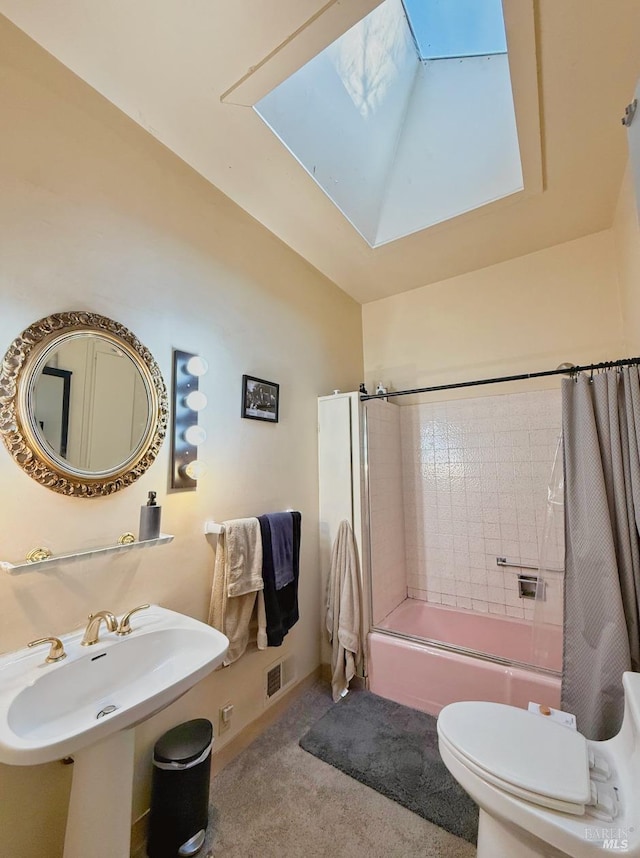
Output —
<point x="224" y="717"/>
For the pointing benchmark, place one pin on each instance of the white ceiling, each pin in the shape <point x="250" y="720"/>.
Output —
<point x="168" y="64"/>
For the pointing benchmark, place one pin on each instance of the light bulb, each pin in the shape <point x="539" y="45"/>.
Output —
<point x="194" y="470"/>
<point x="196" y="400"/>
<point x="197" y="366"/>
<point x="195" y="435"/>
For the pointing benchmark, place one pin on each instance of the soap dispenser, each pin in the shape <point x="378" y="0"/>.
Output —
<point x="150" y="519"/>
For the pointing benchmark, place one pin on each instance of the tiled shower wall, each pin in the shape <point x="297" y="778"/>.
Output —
<point x="475" y="476"/>
<point x="387" y="549"/>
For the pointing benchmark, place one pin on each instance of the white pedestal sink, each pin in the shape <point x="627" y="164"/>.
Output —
<point x="99" y="819"/>
<point x="87" y="706"/>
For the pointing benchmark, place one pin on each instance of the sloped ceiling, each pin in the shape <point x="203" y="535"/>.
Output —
<point x="168" y="64"/>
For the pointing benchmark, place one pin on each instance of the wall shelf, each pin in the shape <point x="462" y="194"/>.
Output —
<point x="25" y="566"/>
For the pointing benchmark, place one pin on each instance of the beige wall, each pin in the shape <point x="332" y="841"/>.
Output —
<point x="626" y="235"/>
<point x="95" y="214"/>
<point x="525" y="315"/>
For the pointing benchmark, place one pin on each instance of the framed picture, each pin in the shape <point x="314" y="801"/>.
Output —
<point x="260" y="399"/>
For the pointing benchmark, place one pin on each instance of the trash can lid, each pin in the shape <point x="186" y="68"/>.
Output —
<point x="184" y="743"/>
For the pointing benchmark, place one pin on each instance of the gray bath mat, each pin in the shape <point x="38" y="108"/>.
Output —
<point x="394" y="750"/>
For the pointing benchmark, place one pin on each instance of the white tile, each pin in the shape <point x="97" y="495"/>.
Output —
<point x="508" y="532"/>
<point x="479" y="591"/>
<point x="493" y="547"/>
<point x="512" y="598"/>
<point x="514" y="612"/>
<point x="496" y="578"/>
<point x="478" y="560"/>
<point x="463" y="573"/>
<point x="492" y="530"/>
<point x="463" y="588"/>
<point x="475" y="529"/>
<point x="478" y="576"/>
<point x="496" y="595"/>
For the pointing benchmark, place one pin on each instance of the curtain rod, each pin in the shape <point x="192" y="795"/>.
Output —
<point x="561" y="371"/>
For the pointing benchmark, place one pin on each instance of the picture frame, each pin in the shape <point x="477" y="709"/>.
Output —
<point x="260" y="399"/>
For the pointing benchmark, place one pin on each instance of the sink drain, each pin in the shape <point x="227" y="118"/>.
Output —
<point x="106" y="711"/>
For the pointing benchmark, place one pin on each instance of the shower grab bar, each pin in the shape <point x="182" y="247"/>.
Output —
<point x="502" y="561"/>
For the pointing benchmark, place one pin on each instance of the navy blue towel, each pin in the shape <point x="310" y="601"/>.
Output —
<point x="281" y="606"/>
<point x="281" y="524"/>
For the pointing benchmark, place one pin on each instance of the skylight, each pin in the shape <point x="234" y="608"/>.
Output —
<point x="443" y="29"/>
<point x="401" y="138"/>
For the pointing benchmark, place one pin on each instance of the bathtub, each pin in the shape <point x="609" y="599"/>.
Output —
<point x="428" y="677"/>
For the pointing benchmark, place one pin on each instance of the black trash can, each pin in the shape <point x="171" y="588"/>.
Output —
<point x="180" y="790"/>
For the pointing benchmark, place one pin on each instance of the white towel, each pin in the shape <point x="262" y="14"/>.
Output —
<point x="230" y="613"/>
<point x="343" y="611"/>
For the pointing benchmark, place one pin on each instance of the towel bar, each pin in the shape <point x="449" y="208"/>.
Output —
<point x="217" y="528"/>
<point x="213" y="527"/>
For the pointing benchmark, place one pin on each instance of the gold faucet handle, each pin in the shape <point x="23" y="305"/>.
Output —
<point x="56" y="653"/>
<point x="125" y="628"/>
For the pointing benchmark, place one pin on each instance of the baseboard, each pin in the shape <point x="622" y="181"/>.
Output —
<point x="251" y="732"/>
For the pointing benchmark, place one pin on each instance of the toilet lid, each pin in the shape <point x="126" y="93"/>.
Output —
<point x="520" y="749"/>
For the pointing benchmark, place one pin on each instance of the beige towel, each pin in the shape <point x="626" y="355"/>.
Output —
<point x="343" y="611"/>
<point x="230" y="613"/>
<point x="243" y="556"/>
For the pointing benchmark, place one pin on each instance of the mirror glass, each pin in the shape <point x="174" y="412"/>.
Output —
<point x="84" y="404"/>
<point x="90" y="404"/>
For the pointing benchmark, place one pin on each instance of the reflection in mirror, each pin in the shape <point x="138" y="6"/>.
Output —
<point x="83" y="406"/>
<point x="52" y="393"/>
<point x="101" y="381"/>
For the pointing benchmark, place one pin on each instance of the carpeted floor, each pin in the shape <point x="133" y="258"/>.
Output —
<point x="394" y="750"/>
<point x="277" y="801"/>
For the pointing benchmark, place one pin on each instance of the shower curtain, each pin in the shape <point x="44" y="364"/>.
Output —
<point x="601" y="420"/>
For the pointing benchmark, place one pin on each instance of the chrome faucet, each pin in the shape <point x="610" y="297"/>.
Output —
<point x="92" y="631"/>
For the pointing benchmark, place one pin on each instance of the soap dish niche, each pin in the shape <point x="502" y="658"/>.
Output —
<point x="530" y="587"/>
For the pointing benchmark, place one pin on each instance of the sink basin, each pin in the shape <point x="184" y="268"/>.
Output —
<point x="49" y="711"/>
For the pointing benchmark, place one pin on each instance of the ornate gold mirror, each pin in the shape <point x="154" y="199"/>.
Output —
<point x="83" y="406"/>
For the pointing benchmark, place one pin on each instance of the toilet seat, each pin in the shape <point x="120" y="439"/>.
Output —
<point x="519" y="752"/>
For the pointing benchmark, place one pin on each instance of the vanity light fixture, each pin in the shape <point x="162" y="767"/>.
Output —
<point x="195" y="470"/>
<point x="186" y="434"/>
<point x="195" y="435"/>
<point x="196" y="401"/>
<point x="197" y="366"/>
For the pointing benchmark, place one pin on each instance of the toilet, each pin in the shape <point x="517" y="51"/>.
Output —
<point x="543" y="789"/>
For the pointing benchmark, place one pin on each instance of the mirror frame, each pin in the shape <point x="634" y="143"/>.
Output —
<point x="20" y="362"/>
